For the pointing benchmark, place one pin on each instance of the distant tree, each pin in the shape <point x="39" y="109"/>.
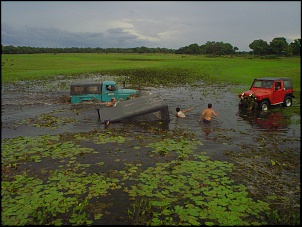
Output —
<point x="210" y="47"/>
<point x="181" y="50"/>
<point x="202" y="49"/>
<point x="213" y="48"/>
<point x="279" y="46"/>
<point x="8" y="49"/>
<point x="226" y="48"/>
<point x="260" y="47"/>
<point x="217" y="48"/>
<point x="295" y="47"/>
<point x="194" y="48"/>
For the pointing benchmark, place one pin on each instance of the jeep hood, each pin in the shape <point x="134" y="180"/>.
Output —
<point x="256" y="93"/>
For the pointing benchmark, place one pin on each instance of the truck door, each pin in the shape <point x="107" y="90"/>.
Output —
<point x="109" y="91"/>
<point x="278" y="92"/>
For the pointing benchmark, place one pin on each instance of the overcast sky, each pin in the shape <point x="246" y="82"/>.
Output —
<point x="164" y="24"/>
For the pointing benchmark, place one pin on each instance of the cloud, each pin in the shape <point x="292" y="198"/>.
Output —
<point x="52" y="37"/>
<point x="128" y="24"/>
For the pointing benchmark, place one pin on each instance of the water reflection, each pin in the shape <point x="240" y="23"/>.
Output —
<point x="206" y="128"/>
<point x="145" y="126"/>
<point x="269" y="120"/>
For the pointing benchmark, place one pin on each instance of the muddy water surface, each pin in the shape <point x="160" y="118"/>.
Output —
<point x="232" y="127"/>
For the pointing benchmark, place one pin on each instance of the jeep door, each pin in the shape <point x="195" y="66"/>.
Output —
<point x="278" y="93"/>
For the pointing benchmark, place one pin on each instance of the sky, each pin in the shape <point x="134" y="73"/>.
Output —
<point x="163" y="24"/>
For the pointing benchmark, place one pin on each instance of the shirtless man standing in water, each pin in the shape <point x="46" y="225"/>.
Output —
<point x="207" y="113"/>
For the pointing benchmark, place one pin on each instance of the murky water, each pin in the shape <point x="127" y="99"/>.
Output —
<point x="29" y="102"/>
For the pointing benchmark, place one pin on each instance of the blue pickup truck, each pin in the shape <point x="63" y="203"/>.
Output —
<point x="98" y="91"/>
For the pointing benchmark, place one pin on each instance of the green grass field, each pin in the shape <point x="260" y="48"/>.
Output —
<point x="237" y="70"/>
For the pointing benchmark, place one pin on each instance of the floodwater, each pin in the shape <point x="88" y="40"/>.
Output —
<point x="233" y="132"/>
<point x="232" y="125"/>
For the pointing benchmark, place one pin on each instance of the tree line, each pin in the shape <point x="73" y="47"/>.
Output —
<point x="39" y="50"/>
<point x="278" y="46"/>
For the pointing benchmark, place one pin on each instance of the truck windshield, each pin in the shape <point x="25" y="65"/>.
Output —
<point x="263" y="84"/>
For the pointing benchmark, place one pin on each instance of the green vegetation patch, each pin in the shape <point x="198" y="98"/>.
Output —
<point x="183" y="147"/>
<point x="48" y="121"/>
<point x="193" y="193"/>
<point x="55" y="197"/>
<point x="168" y="76"/>
<point x="102" y="138"/>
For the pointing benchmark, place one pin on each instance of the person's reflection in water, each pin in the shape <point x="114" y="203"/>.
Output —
<point x="206" y="128"/>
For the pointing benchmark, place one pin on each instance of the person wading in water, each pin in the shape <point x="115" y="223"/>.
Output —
<point x="181" y="113"/>
<point x="207" y="113"/>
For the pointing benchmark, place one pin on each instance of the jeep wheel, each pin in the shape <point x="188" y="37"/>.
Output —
<point x="288" y="102"/>
<point x="264" y="105"/>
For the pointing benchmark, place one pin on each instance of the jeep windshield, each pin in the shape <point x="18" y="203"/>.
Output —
<point x="262" y="84"/>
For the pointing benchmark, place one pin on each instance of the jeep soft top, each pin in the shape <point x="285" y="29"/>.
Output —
<point x="287" y="81"/>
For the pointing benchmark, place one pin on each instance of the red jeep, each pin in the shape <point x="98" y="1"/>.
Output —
<point x="265" y="92"/>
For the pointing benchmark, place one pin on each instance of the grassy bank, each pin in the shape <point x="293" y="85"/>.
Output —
<point x="220" y="69"/>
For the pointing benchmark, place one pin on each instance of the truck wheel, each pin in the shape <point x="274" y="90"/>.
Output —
<point x="288" y="102"/>
<point x="264" y="105"/>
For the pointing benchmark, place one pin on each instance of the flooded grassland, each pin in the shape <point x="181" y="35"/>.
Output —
<point x="60" y="165"/>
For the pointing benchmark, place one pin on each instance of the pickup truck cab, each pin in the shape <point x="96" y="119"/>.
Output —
<point x="266" y="92"/>
<point x="98" y="91"/>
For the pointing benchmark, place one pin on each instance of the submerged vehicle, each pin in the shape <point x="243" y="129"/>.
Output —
<point x="147" y="108"/>
<point x="266" y="92"/>
<point x="98" y="91"/>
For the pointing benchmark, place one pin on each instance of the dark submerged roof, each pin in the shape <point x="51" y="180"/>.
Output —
<point x="136" y="107"/>
<point x="89" y="83"/>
